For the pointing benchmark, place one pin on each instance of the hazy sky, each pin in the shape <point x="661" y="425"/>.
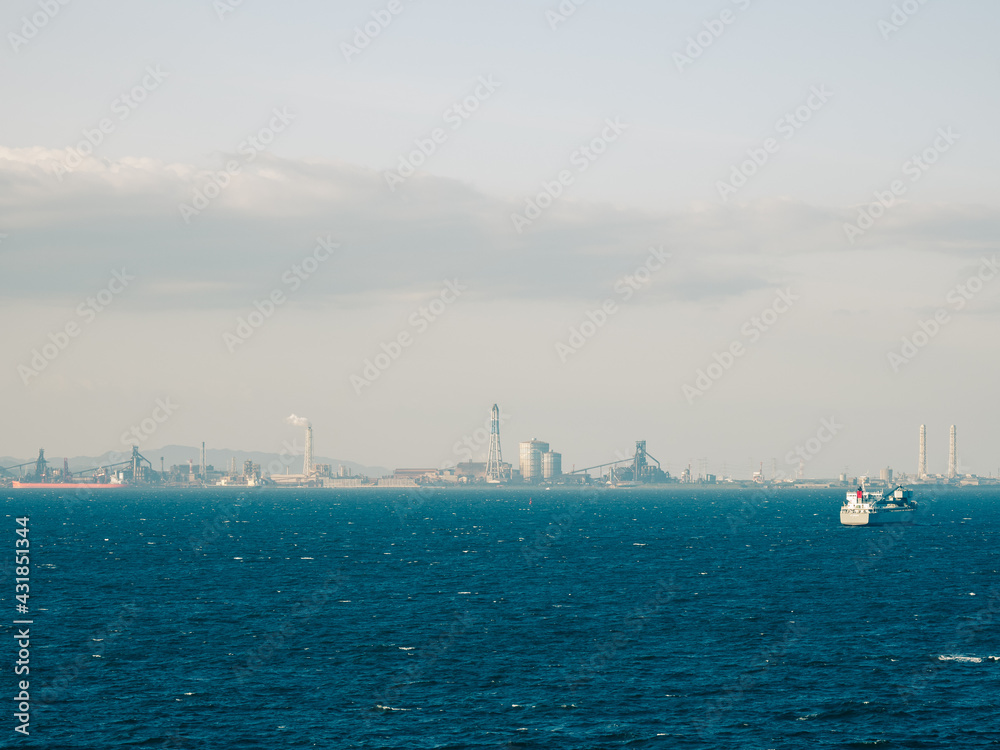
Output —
<point x="695" y="174"/>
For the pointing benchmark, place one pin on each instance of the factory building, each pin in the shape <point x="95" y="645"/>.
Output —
<point x="416" y="474"/>
<point x="471" y="471"/>
<point x="396" y="481"/>
<point x="344" y="477"/>
<point x="340" y="481"/>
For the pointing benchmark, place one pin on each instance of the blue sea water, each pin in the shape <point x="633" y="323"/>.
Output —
<point x="505" y="619"/>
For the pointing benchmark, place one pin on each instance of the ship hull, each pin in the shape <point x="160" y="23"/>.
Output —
<point x="65" y="486"/>
<point x="864" y="517"/>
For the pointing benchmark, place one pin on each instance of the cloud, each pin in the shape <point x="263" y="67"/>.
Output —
<point x="109" y="214"/>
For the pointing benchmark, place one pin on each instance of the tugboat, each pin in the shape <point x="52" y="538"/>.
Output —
<point x="875" y="508"/>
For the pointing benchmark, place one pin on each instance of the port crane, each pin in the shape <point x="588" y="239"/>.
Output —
<point x="137" y="463"/>
<point x="6" y="470"/>
<point x="40" y="464"/>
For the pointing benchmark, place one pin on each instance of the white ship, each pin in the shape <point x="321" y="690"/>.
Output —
<point x="867" y="508"/>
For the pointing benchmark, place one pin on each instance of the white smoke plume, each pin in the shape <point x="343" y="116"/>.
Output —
<point x="298" y="421"/>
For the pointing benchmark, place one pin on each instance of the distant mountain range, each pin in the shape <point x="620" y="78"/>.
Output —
<point x="270" y="463"/>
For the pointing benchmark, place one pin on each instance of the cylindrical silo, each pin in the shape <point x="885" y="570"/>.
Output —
<point x="531" y="459"/>
<point x="551" y="465"/>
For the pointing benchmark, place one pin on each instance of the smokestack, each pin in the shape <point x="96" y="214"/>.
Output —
<point x="922" y="461"/>
<point x="307" y="462"/>
<point x="952" y="455"/>
<point x="203" y="462"/>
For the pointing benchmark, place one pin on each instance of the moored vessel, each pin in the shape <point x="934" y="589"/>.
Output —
<point x="876" y="508"/>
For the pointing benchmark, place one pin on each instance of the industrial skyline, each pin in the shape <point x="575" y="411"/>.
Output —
<point x="536" y="463"/>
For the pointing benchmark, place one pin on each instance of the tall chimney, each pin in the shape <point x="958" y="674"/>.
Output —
<point x="952" y="455"/>
<point x="307" y="462"/>
<point x="922" y="461"/>
<point x="203" y="462"/>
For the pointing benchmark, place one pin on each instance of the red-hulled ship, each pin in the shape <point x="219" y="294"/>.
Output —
<point x="45" y="479"/>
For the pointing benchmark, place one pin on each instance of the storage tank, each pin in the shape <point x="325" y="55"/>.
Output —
<point x="531" y="459"/>
<point x="551" y="465"/>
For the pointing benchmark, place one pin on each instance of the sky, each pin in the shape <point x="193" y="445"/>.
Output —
<point x="747" y="232"/>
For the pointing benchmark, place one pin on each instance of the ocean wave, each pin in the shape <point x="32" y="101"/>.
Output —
<point x="962" y="658"/>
